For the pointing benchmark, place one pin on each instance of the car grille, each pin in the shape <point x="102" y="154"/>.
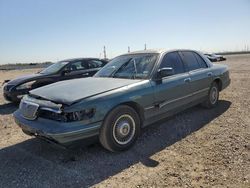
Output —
<point x="29" y="110"/>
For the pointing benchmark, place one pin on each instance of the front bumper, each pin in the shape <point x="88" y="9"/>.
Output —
<point x="58" y="132"/>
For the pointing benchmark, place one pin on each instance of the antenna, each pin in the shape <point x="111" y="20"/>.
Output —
<point x="104" y="52"/>
<point x="128" y="49"/>
<point x="145" y="46"/>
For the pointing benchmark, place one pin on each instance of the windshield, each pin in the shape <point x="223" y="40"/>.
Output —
<point x="54" y="68"/>
<point x="137" y="66"/>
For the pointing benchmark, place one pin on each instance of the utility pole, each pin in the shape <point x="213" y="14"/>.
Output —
<point x="104" y="52"/>
<point x="145" y="46"/>
<point x="128" y="49"/>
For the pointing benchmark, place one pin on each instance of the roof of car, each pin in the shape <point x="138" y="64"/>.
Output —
<point x="81" y="58"/>
<point x="149" y="51"/>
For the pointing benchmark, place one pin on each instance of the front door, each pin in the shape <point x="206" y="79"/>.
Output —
<point x="173" y="91"/>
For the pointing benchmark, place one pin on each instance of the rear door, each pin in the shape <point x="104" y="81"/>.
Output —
<point x="172" y="91"/>
<point x="200" y="74"/>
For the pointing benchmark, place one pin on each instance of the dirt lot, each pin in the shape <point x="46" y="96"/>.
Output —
<point x="196" y="148"/>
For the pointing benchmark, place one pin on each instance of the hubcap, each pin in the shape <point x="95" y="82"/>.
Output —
<point x="124" y="129"/>
<point x="214" y="95"/>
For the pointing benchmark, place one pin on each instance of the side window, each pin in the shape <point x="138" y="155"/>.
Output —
<point x="173" y="60"/>
<point x="190" y="60"/>
<point x="201" y="61"/>
<point x="78" y="65"/>
<point x="95" y="64"/>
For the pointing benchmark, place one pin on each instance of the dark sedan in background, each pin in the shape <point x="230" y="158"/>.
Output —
<point x="62" y="70"/>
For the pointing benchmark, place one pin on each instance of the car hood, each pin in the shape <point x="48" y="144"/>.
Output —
<point x="71" y="91"/>
<point x="25" y="78"/>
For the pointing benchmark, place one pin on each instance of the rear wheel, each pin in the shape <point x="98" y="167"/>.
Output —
<point x="120" y="129"/>
<point x="213" y="96"/>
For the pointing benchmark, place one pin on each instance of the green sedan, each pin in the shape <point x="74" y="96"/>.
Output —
<point x="130" y="92"/>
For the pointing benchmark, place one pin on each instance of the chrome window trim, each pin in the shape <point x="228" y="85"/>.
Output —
<point x="197" y="70"/>
<point x="176" y="75"/>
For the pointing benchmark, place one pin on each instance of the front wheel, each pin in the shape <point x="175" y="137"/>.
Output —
<point x="120" y="129"/>
<point x="213" y="96"/>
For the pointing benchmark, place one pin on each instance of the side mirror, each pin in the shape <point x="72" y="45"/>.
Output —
<point x="164" y="72"/>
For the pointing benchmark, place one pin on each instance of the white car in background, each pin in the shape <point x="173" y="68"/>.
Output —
<point x="215" y="57"/>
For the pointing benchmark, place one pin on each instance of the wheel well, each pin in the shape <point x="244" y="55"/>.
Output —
<point x="137" y="108"/>
<point x="219" y="82"/>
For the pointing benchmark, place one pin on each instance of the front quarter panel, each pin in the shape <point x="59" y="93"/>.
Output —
<point x="140" y="93"/>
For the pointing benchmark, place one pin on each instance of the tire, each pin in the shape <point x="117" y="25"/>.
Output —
<point x="120" y="129"/>
<point x="213" y="96"/>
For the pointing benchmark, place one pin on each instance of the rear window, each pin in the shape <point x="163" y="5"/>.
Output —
<point x="191" y="61"/>
<point x="200" y="61"/>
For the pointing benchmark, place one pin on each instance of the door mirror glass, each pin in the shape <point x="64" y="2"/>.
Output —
<point x="164" y="72"/>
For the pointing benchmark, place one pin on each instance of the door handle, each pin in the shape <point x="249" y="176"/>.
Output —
<point x="85" y="74"/>
<point x="187" y="80"/>
<point x="209" y="74"/>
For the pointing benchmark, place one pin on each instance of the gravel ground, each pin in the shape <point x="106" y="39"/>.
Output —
<point x="196" y="148"/>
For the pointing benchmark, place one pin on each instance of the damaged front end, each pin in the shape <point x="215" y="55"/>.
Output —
<point x="31" y="108"/>
<point x="55" y="122"/>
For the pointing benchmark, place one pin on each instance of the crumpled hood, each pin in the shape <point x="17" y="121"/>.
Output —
<point x="25" y="78"/>
<point x="70" y="91"/>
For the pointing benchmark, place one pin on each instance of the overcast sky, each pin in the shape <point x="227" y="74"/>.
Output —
<point x="50" y="30"/>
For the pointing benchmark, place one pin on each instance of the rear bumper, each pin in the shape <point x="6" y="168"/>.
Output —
<point x="61" y="133"/>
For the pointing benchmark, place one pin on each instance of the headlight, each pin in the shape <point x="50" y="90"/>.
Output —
<point x="27" y="85"/>
<point x="67" y="116"/>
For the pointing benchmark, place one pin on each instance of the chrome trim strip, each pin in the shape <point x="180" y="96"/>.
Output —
<point x="51" y="110"/>
<point x="148" y="108"/>
<point x="174" y="100"/>
<point x="170" y="101"/>
<point x="197" y="92"/>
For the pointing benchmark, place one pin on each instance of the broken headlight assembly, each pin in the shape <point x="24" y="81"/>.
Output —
<point x="67" y="116"/>
<point x="79" y="115"/>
